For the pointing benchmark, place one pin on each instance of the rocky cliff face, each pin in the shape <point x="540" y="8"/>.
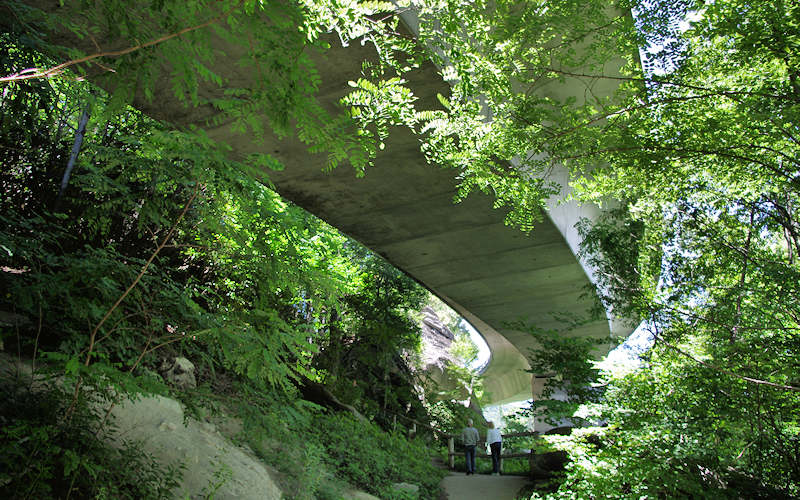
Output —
<point x="436" y="342"/>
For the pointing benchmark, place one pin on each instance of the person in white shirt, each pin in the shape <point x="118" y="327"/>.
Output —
<point x="495" y="440"/>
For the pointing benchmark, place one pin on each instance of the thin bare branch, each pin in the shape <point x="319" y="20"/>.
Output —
<point x="723" y="370"/>
<point x="33" y="73"/>
<point x="135" y="282"/>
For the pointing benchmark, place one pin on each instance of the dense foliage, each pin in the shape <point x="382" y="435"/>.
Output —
<point x="225" y="263"/>
<point x="569" y="376"/>
<point x="696" y="141"/>
<point x="697" y="146"/>
<point x="700" y="149"/>
<point x="321" y="455"/>
<point x="125" y="243"/>
<point x="43" y="456"/>
<point x="368" y="456"/>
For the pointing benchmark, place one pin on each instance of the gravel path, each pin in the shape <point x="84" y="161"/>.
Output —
<point x="459" y="486"/>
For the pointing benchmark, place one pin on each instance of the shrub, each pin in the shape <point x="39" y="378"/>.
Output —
<point x="372" y="459"/>
<point x="43" y="454"/>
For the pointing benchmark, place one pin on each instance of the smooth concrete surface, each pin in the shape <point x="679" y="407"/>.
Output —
<point x="458" y="486"/>
<point x="403" y="209"/>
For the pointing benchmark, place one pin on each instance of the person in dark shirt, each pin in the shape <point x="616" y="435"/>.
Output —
<point x="470" y="438"/>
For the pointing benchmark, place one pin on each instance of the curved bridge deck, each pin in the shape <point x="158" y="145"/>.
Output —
<point x="403" y="209"/>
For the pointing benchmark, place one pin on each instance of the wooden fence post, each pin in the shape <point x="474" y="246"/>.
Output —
<point x="451" y="450"/>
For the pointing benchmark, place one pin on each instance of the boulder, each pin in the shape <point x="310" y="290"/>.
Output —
<point x="545" y="465"/>
<point x="179" y="372"/>
<point x="159" y="427"/>
<point x="358" y="495"/>
<point x="319" y="394"/>
<point x="408" y="490"/>
<point x="560" y="431"/>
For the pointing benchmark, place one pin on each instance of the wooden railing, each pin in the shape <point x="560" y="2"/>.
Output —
<point x="451" y="441"/>
<point x="452" y="453"/>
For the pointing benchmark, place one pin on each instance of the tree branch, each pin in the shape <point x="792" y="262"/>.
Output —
<point x="93" y="335"/>
<point x="722" y="370"/>
<point x="658" y="81"/>
<point x="32" y="73"/>
<point x="745" y="258"/>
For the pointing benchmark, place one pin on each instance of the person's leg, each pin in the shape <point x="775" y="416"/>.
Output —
<point x="495" y="458"/>
<point x="470" y="458"/>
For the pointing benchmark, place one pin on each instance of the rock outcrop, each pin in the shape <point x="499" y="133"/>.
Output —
<point x="179" y="372"/>
<point x="546" y="465"/>
<point x="436" y="342"/>
<point x="212" y="463"/>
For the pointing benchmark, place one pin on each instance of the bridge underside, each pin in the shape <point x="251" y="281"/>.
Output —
<point x="490" y="273"/>
<point x="403" y="209"/>
<point x="464" y="253"/>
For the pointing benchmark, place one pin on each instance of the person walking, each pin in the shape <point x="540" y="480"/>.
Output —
<point x="495" y="440"/>
<point x="470" y="438"/>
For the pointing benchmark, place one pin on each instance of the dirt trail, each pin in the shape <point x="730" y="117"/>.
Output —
<point x="459" y="486"/>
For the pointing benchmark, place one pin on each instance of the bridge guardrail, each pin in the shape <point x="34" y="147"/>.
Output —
<point x="451" y="453"/>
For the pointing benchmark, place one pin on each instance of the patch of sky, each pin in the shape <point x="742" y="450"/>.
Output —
<point x="661" y="54"/>
<point x="626" y="356"/>
<point x="484" y="354"/>
<point x="623" y="359"/>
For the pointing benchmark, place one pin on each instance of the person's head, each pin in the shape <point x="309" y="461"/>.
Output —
<point x="469" y="422"/>
<point x="490" y="425"/>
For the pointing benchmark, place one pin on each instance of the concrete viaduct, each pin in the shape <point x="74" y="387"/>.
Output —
<point x="403" y="209"/>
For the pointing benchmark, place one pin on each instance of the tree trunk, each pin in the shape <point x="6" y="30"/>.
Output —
<point x="335" y="343"/>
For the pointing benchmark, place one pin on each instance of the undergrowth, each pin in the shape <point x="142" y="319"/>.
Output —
<point x="318" y="455"/>
<point x="321" y="454"/>
<point x="45" y="455"/>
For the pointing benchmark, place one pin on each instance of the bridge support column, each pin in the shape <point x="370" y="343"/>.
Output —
<point x="537" y="387"/>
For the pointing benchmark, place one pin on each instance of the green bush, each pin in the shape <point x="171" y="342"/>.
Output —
<point x="44" y="454"/>
<point x="319" y="455"/>
<point x="372" y="459"/>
